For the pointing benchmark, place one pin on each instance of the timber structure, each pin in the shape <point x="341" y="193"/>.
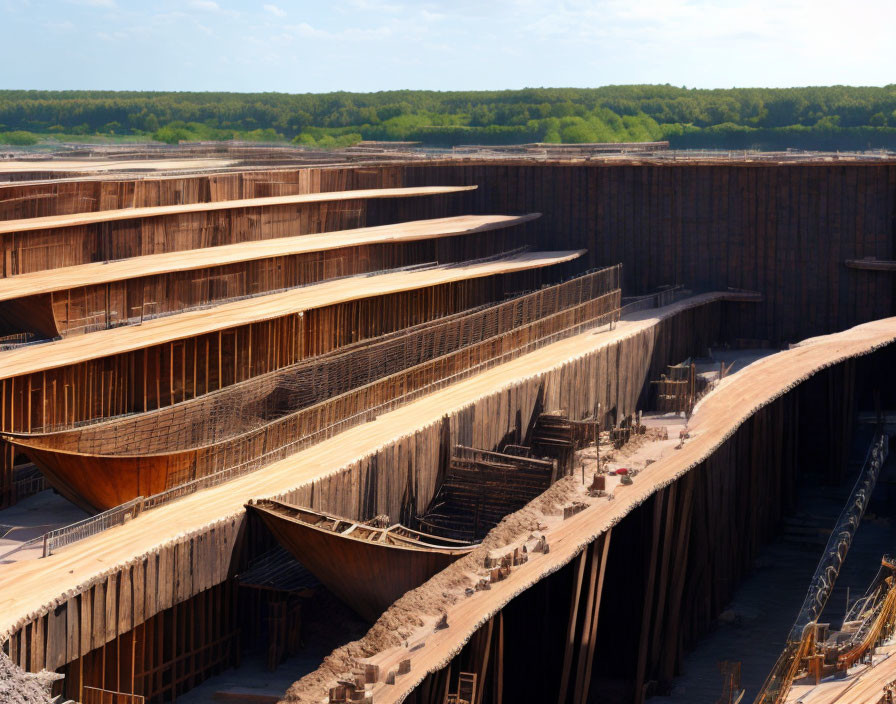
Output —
<point x="244" y="426"/>
<point x="463" y="343"/>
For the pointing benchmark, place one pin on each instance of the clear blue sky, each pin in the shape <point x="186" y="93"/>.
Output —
<point x="367" y="45"/>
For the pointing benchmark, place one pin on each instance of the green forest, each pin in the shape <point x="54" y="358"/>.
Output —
<point x="824" y="118"/>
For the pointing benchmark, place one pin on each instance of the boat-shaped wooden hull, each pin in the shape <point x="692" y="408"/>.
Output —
<point x="101" y="482"/>
<point x="367" y="575"/>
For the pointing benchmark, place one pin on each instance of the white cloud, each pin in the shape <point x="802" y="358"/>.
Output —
<point x="112" y="36"/>
<point x="377" y="6"/>
<point x="276" y="11"/>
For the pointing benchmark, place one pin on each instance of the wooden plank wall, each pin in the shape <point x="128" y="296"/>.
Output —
<point x="400" y="476"/>
<point x="87" y="195"/>
<point x="169" y="653"/>
<point x="116" y="602"/>
<point x="781" y="229"/>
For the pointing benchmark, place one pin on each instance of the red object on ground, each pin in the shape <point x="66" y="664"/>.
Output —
<point x="622" y="470"/>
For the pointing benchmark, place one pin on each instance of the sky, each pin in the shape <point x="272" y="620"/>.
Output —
<point x="298" y="46"/>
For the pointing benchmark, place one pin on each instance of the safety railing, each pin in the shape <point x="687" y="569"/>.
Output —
<point x="60" y="537"/>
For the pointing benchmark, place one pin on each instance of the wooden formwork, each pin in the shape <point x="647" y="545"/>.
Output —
<point x="784" y="230"/>
<point x="165" y="656"/>
<point x="482" y="487"/>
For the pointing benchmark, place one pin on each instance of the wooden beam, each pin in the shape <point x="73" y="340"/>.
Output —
<point x="571" y="629"/>
<point x="641" y="669"/>
<point x="592" y="640"/>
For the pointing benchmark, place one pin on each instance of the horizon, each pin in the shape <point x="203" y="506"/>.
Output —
<point x="452" y="90"/>
<point x="372" y="46"/>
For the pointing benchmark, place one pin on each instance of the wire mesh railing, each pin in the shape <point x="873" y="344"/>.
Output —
<point x="595" y="322"/>
<point x="272" y="451"/>
<point x="251" y="404"/>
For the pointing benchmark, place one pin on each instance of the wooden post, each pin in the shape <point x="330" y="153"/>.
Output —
<point x="571" y="631"/>
<point x="640" y="672"/>
<point x="499" y="661"/>
<point x="592" y="642"/>
<point x="484" y="669"/>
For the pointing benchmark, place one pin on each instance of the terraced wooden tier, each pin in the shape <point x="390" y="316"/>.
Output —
<point x="52" y="280"/>
<point x="228" y="315"/>
<point x="76" y="299"/>
<point x="78" y="219"/>
<point x="367" y="567"/>
<point x="251" y="424"/>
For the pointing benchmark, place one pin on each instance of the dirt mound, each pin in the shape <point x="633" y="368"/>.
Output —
<point x="20" y="687"/>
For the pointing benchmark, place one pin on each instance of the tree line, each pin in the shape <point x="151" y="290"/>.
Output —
<point x="834" y="117"/>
